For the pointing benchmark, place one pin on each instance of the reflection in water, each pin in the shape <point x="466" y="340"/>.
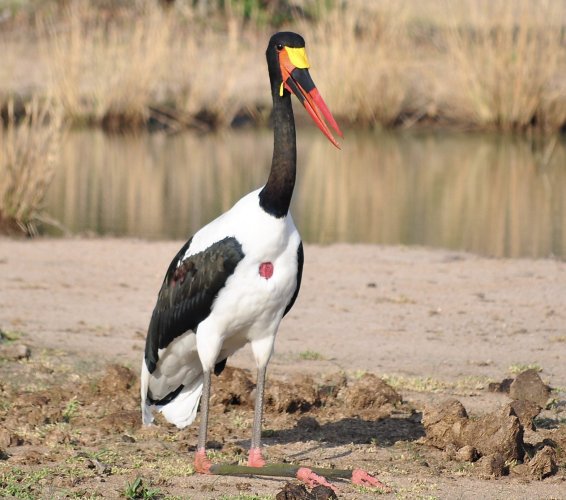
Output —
<point x="493" y="195"/>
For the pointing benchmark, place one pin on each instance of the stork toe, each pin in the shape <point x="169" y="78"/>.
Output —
<point x="307" y="476"/>
<point x="202" y="464"/>
<point x="255" y="458"/>
<point x="363" y="478"/>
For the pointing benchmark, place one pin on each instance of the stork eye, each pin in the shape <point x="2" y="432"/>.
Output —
<point x="279" y="47"/>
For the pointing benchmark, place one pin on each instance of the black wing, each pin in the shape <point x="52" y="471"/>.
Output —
<point x="300" y="262"/>
<point x="188" y="291"/>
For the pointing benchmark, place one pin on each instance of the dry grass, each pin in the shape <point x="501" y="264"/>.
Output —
<point x="506" y="59"/>
<point x="107" y="69"/>
<point x="141" y="62"/>
<point x="361" y="60"/>
<point x="215" y="75"/>
<point x="484" y="64"/>
<point x="29" y="149"/>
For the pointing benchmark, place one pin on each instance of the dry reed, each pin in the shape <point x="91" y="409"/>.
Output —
<point x="482" y="63"/>
<point x="29" y="148"/>
<point x="215" y="75"/>
<point x="107" y="69"/>
<point x="360" y="52"/>
<point x="506" y="59"/>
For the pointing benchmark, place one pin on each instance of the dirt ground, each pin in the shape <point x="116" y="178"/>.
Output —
<point x="431" y="324"/>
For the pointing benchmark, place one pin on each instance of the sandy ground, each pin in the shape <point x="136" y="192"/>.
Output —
<point x="434" y="323"/>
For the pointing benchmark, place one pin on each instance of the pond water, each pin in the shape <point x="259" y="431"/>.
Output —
<point x="492" y="195"/>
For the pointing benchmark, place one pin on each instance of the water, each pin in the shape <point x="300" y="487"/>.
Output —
<point x="492" y="195"/>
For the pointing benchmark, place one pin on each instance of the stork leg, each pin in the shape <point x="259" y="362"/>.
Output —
<point x="255" y="458"/>
<point x="202" y="463"/>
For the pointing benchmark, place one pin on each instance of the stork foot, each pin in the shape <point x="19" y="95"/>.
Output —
<point x="202" y="463"/>
<point x="255" y="458"/>
<point x="311" y="479"/>
<point x="362" y="478"/>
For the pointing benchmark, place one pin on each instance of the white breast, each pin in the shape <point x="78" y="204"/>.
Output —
<point x="249" y="307"/>
<point x="257" y="231"/>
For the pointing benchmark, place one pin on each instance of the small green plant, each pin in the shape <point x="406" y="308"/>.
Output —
<point x="244" y="496"/>
<point x="517" y="368"/>
<point x="417" y="384"/>
<point x="368" y="490"/>
<point x="430" y="384"/>
<point x="358" y="374"/>
<point x="218" y="455"/>
<point x="19" y="483"/>
<point x="71" y="409"/>
<point x="10" y="335"/>
<point x="311" y="355"/>
<point x="463" y="469"/>
<point x="240" y="421"/>
<point x="138" y="491"/>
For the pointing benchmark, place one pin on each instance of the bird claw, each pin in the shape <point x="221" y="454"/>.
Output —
<point x="202" y="464"/>
<point x="311" y="479"/>
<point x="255" y="458"/>
<point x="362" y="478"/>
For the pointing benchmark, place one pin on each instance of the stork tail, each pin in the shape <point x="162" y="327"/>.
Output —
<point x="180" y="410"/>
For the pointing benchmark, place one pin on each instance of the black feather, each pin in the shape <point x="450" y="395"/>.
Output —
<point x="188" y="292"/>
<point x="300" y="262"/>
<point x="219" y="367"/>
<point x="165" y="400"/>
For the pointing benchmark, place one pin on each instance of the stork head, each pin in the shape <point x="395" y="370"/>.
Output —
<point x="289" y="73"/>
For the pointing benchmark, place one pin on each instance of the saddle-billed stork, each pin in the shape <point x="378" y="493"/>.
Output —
<point x="235" y="279"/>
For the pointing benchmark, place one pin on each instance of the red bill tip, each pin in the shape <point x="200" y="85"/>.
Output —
<point x="319" y="101"/>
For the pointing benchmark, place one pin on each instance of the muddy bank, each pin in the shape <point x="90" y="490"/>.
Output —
<point x="378" y="337"/>
<point x="70" y="438"/>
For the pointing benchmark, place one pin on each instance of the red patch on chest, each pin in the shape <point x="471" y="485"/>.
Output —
<point x="266" y="270"/>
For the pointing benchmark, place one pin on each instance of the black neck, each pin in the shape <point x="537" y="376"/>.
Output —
<point x="275" y="197"/>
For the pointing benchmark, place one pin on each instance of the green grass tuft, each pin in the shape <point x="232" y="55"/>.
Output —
<point x="71" y="409"/>
<point x="311" y="356"/>
<point x="517" y="368"/>
<point x="137" y="490"/>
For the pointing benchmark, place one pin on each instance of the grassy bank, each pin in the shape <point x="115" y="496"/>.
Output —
<point x="468" y="64"/>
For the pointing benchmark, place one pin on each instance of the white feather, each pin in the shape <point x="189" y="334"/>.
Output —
<point x="147" y="416"/>
<point x="182" y="411"/>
